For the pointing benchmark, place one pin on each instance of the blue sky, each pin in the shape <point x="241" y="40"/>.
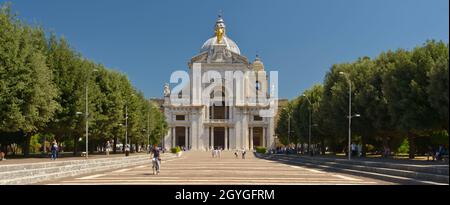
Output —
<point x="301" y="39"/>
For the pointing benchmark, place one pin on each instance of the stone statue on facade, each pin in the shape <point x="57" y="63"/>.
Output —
<point x="166" y="90"/>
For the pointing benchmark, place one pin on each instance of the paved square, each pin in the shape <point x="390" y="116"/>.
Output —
<point x="196" y="167"/>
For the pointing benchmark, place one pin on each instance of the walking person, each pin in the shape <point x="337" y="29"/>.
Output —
<point x="236" y="154"/>
<point x="243" y="153"/>
<point x="439" y="153"/>
<point x="430" y="153"/>
<point x="156" y="160"/>
<point x="359" y="147"/>
<point x="353" y="149"/>
<point x="54" y="150"/>
<point x="108" y="147"/>
<point x="2" y="156"/>
<point x="386" y="151"/>
<point x="213" y="152"/>
<point x="127" y="150"/>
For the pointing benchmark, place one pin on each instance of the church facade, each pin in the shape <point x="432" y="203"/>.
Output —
<point x="231" y="117"/>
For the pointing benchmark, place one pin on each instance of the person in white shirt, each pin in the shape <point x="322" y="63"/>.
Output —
<point x="353" y="149"/>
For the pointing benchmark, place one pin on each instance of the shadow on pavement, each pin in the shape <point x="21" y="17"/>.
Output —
<point x="297" y="162"/>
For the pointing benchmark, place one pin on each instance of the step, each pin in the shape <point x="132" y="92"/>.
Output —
<point x="37" y="165"/>
<point x="440" y="169"/>
<point x="58" y="168"/>
<point x="27" y="176"/>
<point x="379" y="176"/>
<point x="382" y="170"/>
<point x="52" y="176"/>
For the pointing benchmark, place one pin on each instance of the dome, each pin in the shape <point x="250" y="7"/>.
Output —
<point x="220" y="38"/>
<point x="258" y="64"/>
<point x="231" y="45"/>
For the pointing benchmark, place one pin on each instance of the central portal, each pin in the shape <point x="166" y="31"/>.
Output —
<point x="219" y="137"/>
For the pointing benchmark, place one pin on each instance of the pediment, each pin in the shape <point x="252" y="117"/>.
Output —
<point x="218" y="57"/>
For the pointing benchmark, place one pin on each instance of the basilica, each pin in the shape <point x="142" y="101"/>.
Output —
<point x="219" y="124"/>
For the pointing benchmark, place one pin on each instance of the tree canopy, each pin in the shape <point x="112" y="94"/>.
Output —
<point x="43" y="87"/>
<point x="399" y="95"/>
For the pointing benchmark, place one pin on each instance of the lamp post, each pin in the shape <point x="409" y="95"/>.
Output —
<point x="86" y="115"/>
<point x="126" y="125"/>
<point x="309" y="129"/>
<point x="349" y="114"/>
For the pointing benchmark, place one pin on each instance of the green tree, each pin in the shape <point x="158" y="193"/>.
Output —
<point x="334" y="106"/>
<point x="405" y="86"/>
<point x="28" y="93"/>
<point x="304" y="111"/>
<point x="438" y="86"/>
<point x="283" y="124"/>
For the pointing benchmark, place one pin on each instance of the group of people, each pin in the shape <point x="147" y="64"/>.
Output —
<point x="236" y="153"/>
<point x="356" y="150"/>
<point x="216" y="153"/>
<point x="54" y="150"/>
<point x="283" y="150"/>
<point x="438" y="154"/>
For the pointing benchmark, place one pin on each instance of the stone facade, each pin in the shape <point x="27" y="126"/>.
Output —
<point x="220" y="124"/>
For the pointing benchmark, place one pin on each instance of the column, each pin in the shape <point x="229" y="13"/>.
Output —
<point x="186" y="137"/>
<point x="244" y="127"/>
<point x="270" y="133"/>
<point x="226" y="138"/>
<point x="232" y="112"/>
<point x="237" y="130"/>
<point x="167" y="137"/>
<point x="174" y="136"/>
<point x="194" y="132"/>
<point x="251" y="138"/>
<point x="209" y="138"/>
<point x="212" y="137"/>
<point x="264" y="137"/>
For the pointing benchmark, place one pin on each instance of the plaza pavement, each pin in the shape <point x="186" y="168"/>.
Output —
<point x="198" y="168"/>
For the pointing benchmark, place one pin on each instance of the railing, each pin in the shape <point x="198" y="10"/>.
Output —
<point x="217" y="120"/>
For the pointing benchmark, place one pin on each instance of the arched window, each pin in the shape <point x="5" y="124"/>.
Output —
<point x="218" y="109"/>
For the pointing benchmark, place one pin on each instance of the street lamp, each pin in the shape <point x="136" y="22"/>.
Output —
<point x="350" y="116"/>
<point x="309" y="131"/>
<point x="86" y="115"/>
<point x="124" y="147"/>
<point x="126" y="126"/>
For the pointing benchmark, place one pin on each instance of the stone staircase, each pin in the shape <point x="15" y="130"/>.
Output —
<point x="404" y="172"/>
<point x="36" y="172"/>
